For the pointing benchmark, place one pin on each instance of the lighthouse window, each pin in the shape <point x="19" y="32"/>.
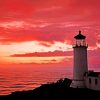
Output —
<point x="96" y="82"/>
<point x="89" y="80"/>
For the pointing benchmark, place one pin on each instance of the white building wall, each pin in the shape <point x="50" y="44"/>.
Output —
<point x="92" y="85"/>
<point x="80" y="62"/>
<point x="80" y="66"/>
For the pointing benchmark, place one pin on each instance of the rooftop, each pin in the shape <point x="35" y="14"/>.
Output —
<point x="93" y="74"/>
<point x="80" y="36"/>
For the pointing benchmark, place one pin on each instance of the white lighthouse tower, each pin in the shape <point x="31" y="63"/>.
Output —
<point x="80" y="61"/>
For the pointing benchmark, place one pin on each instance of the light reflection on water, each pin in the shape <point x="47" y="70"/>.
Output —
<point x="28" y="77"/>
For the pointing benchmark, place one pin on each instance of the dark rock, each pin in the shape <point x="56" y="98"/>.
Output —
<point x="60" y="89"/>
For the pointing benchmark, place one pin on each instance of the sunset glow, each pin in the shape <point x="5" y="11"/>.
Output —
<point x="45" y="28"/>
<point x="37" y="39"/>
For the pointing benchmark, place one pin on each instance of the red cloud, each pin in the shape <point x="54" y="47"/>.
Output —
<point x="73" y="9"/>
<point x="44" y="54"/>
<point x="49" y="20"/>
<point x="94" y="58"/>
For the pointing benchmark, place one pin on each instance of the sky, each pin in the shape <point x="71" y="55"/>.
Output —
<point x="42" y="31"/>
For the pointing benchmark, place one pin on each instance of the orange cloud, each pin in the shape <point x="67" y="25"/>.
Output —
<point x="33" y="46"/>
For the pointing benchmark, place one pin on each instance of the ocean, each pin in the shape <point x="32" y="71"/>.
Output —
<point x="21" y="77"/>
<point x="29" y="76"/>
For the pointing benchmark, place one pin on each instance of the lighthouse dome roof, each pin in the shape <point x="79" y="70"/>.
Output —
<point x="80" y="36"/>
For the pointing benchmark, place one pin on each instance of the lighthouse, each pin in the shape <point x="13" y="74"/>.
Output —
<point x="80" y="61"/>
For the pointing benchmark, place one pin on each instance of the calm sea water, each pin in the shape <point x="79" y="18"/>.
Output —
<point x="27" y="77"/>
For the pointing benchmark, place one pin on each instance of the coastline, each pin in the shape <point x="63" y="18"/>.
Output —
<point x="59" y="89"/>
